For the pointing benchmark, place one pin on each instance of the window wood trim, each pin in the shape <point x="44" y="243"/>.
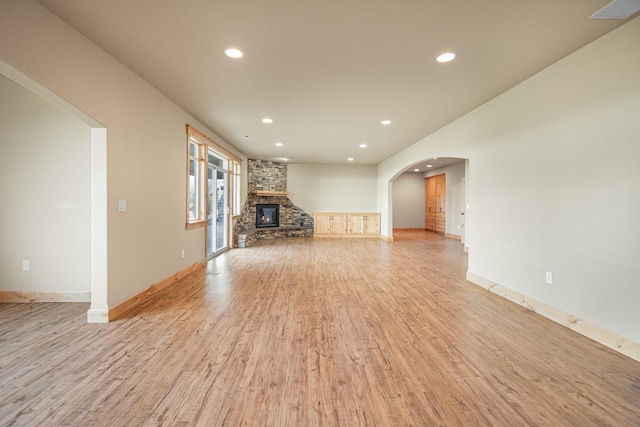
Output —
<point x="204" y="139"/>
<point x="234" y="165"/>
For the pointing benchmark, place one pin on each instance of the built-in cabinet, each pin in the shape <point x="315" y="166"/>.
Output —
<point x="436" y="191"/>
<point x="346" y="225"/>
<point x="330" y="224"/>
<point x="361" y="223"/>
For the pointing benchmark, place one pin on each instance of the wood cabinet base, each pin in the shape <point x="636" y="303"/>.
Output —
<point x="346" y="225"/>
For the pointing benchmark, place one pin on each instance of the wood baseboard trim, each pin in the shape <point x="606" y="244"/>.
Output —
<point x="607" y="338"/>
<point x="453" y="236"/>
<point x="142" y="296"/>
<point x="408" y="229"/>
<point x="35" y="296"/>
<point x="386" y="238"/>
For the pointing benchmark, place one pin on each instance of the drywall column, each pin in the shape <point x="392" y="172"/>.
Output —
<point x="99" y="310"/>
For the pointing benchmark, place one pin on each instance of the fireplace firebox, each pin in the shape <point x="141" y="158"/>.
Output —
<point x="267" y="215"/>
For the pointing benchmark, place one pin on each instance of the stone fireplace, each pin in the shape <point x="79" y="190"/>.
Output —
<point x="267" y="196"/>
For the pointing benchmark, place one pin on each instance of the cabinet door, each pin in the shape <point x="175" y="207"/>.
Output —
<point x="356" y="224"/>
<point x="372" y="224"/>
<point x="339" y="223"/>
<point x="322" y="223"/>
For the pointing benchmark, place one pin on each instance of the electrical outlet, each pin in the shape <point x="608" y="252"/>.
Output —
<point x="26" y="265"/>
<point x="183" y="253"/>
<point x="549" y="278"/>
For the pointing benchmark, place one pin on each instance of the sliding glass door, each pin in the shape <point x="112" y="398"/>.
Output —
<point x="217" y="210"/>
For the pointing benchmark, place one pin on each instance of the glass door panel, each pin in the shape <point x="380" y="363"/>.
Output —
<point x="221" y="208"/>
<point x="211" y="212"/>
<point x="217" y="217"/>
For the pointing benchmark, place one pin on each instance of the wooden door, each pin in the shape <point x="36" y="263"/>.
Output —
<point x="430" y="191"/>
<point x="435" y="212"/>
<point x="356" y="223"/>
<point x="339" y="223"/>
<point x="441" y="207"/>
<point x="372" y="224"/>
<point x="322" y="224"/>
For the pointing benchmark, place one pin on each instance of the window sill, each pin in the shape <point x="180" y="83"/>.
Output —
<point x="196" y="224"/>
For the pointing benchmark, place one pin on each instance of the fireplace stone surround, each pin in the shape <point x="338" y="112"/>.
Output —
<point x="267" y="184"/>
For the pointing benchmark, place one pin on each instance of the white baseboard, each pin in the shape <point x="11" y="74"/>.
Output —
<point x="607" y="338"/>
<point x="35" y="296"/>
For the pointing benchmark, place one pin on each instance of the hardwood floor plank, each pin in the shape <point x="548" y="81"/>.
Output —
<point x="313" y="332"/>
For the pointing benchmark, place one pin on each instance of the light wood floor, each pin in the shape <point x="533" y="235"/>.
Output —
<point x="304" y="332"/>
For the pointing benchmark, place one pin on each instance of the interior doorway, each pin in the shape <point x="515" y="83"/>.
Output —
<point x="419" y="207"/>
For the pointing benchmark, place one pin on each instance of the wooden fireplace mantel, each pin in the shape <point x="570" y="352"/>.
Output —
<point x="268" y="193"/>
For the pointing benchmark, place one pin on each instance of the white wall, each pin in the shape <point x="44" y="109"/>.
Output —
<point x="332" y="188"/>
<point x="409" y="201"/>
<point x="44" y="194"/>
<point x="553" y="183"/>
<point x="453" y="201"/>
<point x="146" y="144"/>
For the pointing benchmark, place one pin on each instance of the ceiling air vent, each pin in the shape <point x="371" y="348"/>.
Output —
<point x="618" y="9"/>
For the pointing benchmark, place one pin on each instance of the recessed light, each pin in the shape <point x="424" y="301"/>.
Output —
<point x="233" y="53"/>
<point x="267" y="120"/>
<point x="386" y="122"/>
<point x="363" y="145"/>
<point x="429" y="166"/>
<point x="350" y="159"/>
<point x="435" y="158"/>
<point x="446" y="57"/>
<point x="284" y="159"/>
<point x="247" y="137"/>
<point x="416" y="170"/>
<point x="279" y="144"/>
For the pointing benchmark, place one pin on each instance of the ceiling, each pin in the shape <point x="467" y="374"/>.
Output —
<point x="432" y="164"/>
<point x="327" y="72"/>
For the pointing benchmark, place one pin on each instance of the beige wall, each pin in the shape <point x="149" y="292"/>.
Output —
<point x="332" y="188"/>
<point x="409" y="202"/>
<point x="44" y="194"/>
<point x="553" y="183"/>
<point x="146" y="144"/>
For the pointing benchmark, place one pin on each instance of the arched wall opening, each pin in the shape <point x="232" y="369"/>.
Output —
<point x="410" y="203"/>
<point x="98" y="311"/>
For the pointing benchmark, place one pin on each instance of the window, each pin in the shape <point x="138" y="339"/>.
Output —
<point x="195" y="190"/>
<point x="203" y="151"/>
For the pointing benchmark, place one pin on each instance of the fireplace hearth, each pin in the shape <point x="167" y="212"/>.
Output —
<point x="267" y="215"/>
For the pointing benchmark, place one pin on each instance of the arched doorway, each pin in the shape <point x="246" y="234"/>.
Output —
<point x="411" y="202"/>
